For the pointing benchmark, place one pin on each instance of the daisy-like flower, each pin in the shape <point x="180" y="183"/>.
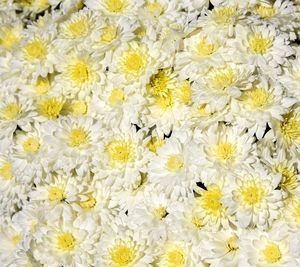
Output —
<point x="173" y="168"/>
<point x="255" y="201"/>
<point x="59" y="242"/>
<point x="225" y="147"/>
<point x="217" y="86"/>
<point x="79" y="75"/>
<point x="263" y="46"/>
<point x="11" y="35"/>
<point x="221" y="248"/>
<point x="121" y="157"/>
<point x="121" y="246"/>
<point x="74" y="139"/>
<point x="15" y="111"/>
<point x="268" y="249"/>
<point x="258" y="106"/>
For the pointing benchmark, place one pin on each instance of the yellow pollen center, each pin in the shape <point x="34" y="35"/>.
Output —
<point x="42" y="85"/>
<point x="257" y="98"/>
<point x="184" y="93"/>
<point x="109" y="34"/>
<point x="174" y="163"/>
<point x="265" y="12"/>
<point x="175" y="257"/>
<point x="78" y="28"/>
<point x="16" y="239"/>
<point x="197" y="222"/>
<point x="252" y="194"/>
<point x="80" y="73"/>
<point x="290" y="128"/>
<point x="9" y="37"/>
<point x="221" y="79"/>
<point x="225" y="151"/>
<point x="210" y="200"/>
<point x="155" y="8"/>
<point x="78" y="137"/>
<point x="31" y="145"/>
<point x="56" y="194"/>
<point x="272" y="253"/>
<point x="50" y="108"/>
<point x="289" y="181"/>
<point x="259" y="44"/>
<point x="155" y="143"/>
<point x="160" y="213"/>
<point x="35" y="50"/>
<point x="66" y="242"/>
<point x="89" y="203"/>
<point x="231" y="244"/>
<point x="224" y="15"/>
<point x="6" y="171"/>
<point x="133" y="62"/>
<point x="120" y="151"/>
<point x="10" y="112"/>
<point x="161" y="83"/>
<point x="122" y="255"/>
<point x="78" y="107"/>
<point x="205" y="49"/>
<point x="116" y="97"/>
<point x="115" y="6"/>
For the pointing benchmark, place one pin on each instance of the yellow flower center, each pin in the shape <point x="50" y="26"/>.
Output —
<point x="155" y="143"/>
<point x="252" y="194"/>
<point x="257" y="98"/>
<point x="133" y="62"/>
<point x="161" y="83"/>
<point x="210" y="200"/>
<point x="222" y="78"/>
<point x="205" y="49"/>
<point x="224" y="15"/>
<point x="16" y="239"/>
<point x="176" y="257"/>
<point x="120" y="151"/>
<point x="259" y="44"/>
<point x="31" y="145"/>
<point x="165" y="102"/>
<point x="9" y="37"/>
<point x="197" y="222"/>
<point x="10" y="112"/>
<point x="6" y="171"/>
<point x="66" y="242"/>
<point x="290" y="128"/>
<point x="78" y="107"/>
<point x="35" y="50"/>
<point x="115" y="6"/>
<point x="231" y="244"/>
<point x="50" y="108"/>
<point x="155" y="8"/>
<point x="225" y="151"/>
<point x="174" y="163"/>
<point x="78" y="137"/>
<point x="42" y="85"/>
<point x="89" y="203"/>
<point x="116" y="97"/>
<point x="272" y="253"/>
<point x="80" y="73"/>
<point x="184" y="93"/>
<point x="160" y="213"/>
<point x="122" y="254"/>
<point x="78" y="28"/>
<point x="289" y="181"/>
<point x="109" y="34"/>
<point x="56" y="194"/>
<point x="266" y="12"/>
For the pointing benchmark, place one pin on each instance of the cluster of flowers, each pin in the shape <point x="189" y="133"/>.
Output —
<point x="149" y="133"/>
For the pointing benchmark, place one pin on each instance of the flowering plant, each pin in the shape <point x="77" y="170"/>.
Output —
<point x="149" y="133"/>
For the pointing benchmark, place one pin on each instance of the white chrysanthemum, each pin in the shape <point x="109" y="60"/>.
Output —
<point x="268" y="249"/>
<point x="74" y="140"/>
<point x="15" y="111"/>
<point x="255" y="201"/>
<point x="221" y="248"/>
<point x="217" y="86"/>
<point x="258" y="106"/>
<point x="173" y="168"/>
<point x="11" y="35"/>
<point x="80" y="74"/>
<point x="60" y="243"/>
<point x="291" y="214"/>
<point x="121" y="246"/>
<point x="225" y="147"/>
<point x="263" y="46"/>
<point x="121" y="157"/>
